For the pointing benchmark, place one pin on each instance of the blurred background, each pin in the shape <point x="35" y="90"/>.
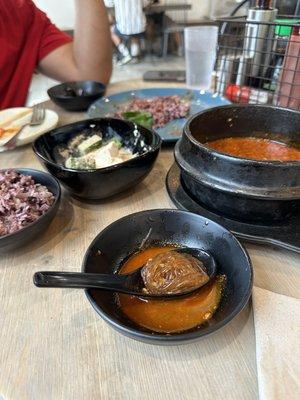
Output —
<point x="161" y="55"/>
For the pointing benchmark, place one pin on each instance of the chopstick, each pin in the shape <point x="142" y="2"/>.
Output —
<point x="15" y="117"/>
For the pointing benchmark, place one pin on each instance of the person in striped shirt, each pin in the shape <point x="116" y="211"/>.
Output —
<point x="130" y="22"/>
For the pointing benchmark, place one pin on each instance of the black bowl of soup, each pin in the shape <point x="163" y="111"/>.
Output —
<point x="131" y="241"/>
<point x="243" y="161"/>
<point x="98" y="158"/>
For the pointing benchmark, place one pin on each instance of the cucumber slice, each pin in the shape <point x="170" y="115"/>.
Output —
<point x="90" y="144"/>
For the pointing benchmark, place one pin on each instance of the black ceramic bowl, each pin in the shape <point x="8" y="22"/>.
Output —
<point x="33" y="230"/>
<point x="126" y="236"/>
<point x="243" y="189"/>
<point x="76" y="96"/>
<point x="101" y="183"/>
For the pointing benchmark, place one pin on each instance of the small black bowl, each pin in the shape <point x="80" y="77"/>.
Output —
<point x="98" y="184"/>
<point x="76" y="96"/>
<point x="29" y="232"/>
<point x="158" y="227"/>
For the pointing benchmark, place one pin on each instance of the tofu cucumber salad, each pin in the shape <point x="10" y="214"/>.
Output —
<point x="92" y="152"/>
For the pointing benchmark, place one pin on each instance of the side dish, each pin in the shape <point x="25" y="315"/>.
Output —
<point x="4" y="132"/>
<point x="172" y="272"/>
<point x="170" y="316"/>
<point x="22" y="201"/>
<point x="93" y="151"/>
<point x="255" y="149"/>
<point x="7" y="133"/>
<point x="154" y="112"/>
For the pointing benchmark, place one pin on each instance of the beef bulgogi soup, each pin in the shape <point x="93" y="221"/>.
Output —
<point x="170" y="316"/>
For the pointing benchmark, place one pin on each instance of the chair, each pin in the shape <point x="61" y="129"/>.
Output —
<point x="179" y="19"/>
<point x="166" y="35"/>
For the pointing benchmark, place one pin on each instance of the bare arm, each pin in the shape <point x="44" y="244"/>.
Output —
<point x="90" y="55"/>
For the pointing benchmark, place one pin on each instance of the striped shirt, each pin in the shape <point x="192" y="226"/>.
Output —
<point x="129" y="15"/>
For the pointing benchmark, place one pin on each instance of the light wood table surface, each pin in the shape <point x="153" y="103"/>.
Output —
<point x="54" y="346"/>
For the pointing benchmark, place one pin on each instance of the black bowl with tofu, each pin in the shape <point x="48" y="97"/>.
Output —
<point x="98" y="158"/>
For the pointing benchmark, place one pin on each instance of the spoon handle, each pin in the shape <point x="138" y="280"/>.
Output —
<point x="79" y="280"/>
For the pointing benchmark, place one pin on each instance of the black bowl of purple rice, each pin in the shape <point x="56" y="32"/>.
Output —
<point x="29" y="200"/>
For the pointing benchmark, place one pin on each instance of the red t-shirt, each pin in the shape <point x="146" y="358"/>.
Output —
<point x="26" y="36"/>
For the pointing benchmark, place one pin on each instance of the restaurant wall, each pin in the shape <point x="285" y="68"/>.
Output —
<point x="61" y="12"/>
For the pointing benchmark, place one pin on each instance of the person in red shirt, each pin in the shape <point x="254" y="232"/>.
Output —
<point x="29" y="41"/>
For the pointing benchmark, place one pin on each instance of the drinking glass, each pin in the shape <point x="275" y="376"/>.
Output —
<point x="200" y="55"/>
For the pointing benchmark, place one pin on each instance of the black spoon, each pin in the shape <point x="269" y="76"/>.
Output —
<point x="123" y="283"/>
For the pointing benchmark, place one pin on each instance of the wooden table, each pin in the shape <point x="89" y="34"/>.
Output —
<point x="54" y="346"/>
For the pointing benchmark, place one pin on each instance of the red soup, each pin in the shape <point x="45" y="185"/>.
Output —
<point x="255" y="149"/>
<point x="169" y="316"/>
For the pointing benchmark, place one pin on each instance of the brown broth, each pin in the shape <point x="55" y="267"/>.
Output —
<point x="170" y="316"/>
<point x="255" y="149"/>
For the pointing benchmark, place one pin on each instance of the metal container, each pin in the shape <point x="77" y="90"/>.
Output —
<point x="259" y="37"/>
<point x="228" y="70"/>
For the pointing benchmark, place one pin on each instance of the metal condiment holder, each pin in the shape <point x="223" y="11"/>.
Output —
<point x="259" y="63"/>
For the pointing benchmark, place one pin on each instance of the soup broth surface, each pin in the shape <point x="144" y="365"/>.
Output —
<point x="255" y="149"/>
<point x="170" y="316"/>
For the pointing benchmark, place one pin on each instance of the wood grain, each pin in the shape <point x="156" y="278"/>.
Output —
<point x="54" y="346"/>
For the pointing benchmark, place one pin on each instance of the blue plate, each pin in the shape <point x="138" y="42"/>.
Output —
<point x="171" y="132"/>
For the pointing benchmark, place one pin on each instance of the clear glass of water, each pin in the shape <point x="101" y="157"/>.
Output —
<point x="200" y="55"/>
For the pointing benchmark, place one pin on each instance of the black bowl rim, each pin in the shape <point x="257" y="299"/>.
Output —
<point x="56" y="200"/>
<point x="52" y="91"/>
<point x="229" y="157"/>
<point x="176" y="337"/>
<point x="182" y="164"/>
<point x="111" y="167"/>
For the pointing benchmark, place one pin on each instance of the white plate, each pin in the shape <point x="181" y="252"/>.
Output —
<point x="29" y="133"/>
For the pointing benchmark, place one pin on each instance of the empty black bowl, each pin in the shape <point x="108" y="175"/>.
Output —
<point x="76" y="96"/>
<point x="156" y="227"/>
<point x="100" y="183"/>
<point x="35" y="229"/>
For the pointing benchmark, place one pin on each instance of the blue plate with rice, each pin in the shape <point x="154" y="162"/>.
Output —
<point x="116" y="104"/>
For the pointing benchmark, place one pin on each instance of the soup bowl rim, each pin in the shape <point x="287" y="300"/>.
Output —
<point x="56" y="131"/>
<point x="224" y="156"/>
<point x="165" y="338"/>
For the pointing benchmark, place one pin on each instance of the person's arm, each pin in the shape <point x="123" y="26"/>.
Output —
<point x="90" y="55"/>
